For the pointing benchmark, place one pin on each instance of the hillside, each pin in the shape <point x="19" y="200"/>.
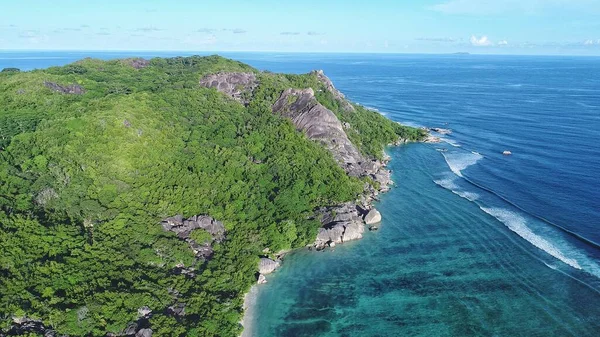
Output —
<point x="138" y="195"/>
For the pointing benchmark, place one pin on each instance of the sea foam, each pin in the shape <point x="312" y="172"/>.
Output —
<point x="458" y="161"/>
<point x="518" y="224"/>
<point x="450" y="184"/>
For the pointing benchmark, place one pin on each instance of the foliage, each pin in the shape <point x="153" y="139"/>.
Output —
<point x="85" y="180"/>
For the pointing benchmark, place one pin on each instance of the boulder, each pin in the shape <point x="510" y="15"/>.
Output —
<point x="72" y="89"/>
<point x="238" y="86"/>
<point x="144" y="333"/>
<point x="373" y="217"/>
<point x="340" y="224"/>
<point x="144" y="312"/>
<point x="177" y="309"/>
<point x="184" y="227"/>
<point x="267" y="266"/>
<point x="137" y="63"/>
<point x="261" y="279"/>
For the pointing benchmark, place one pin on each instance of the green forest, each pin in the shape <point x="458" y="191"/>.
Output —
<point x="93" y="155"/>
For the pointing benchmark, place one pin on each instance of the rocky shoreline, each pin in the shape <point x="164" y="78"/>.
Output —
<point x="340" y="223"/>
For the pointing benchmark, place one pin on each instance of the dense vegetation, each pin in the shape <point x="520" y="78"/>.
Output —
<point x="85" y="180"/>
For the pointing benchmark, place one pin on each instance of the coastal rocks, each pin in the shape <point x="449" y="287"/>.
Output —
<point x="432" y="139"/>
<point x="72" y="89"/>
<point x="441" y="131"/>
<point x="267" y="266"/>
<point x="373" y="217"/>
<point x="238" y="86"/>
<point x="184" y="227"/>
<point x="340" y="224"/>
<point x="320" y="124"/>
<point x="261" y="279"/>
<point x="331" y="88"/>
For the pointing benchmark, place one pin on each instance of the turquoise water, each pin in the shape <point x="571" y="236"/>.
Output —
<point x="473" y="243"/>
<point x="439" y="266"/>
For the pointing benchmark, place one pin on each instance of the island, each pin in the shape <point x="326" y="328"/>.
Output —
<point x="145" y="197"/>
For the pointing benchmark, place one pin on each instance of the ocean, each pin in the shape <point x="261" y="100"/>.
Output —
<point x="472" y="242"/>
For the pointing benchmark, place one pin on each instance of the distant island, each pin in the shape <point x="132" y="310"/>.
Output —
<point x="143" y="197"/>
<point x="461" y="53"/>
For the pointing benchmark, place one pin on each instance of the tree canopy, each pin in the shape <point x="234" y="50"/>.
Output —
<point x="85" y="179"/>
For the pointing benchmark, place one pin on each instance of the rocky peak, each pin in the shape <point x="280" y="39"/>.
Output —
<point x="331" y="88"/>
<point x="238" y="86"/>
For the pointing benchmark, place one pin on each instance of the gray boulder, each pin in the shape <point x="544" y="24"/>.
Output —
<point x="238" y="86"/>
<point x="184" y="227"/>
<point x="267" y="266"/>
<point x="144" y="333"/>
<point x="373" y="217"/>
<point x="71" y="89"/>
<point x="261" y="279"/>
<point x="340" y="224"/>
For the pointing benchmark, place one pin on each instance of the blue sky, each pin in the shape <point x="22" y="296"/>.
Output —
<point x="400" y="26"/>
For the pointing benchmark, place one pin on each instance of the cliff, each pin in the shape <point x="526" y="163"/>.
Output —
<point x="105" y="167"/>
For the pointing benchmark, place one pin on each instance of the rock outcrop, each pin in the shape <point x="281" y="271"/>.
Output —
<point x="331" y="88"/>
<point x="322" y="125"/>
<point x="137" y="63"/>
<point x="184" y="227"/>
<point x="238" y="86"/>
<point x="373" y="217"/>
<point x="340" y="224"/>
<point x="71" y="89"/>
<point x="267" y="266"/>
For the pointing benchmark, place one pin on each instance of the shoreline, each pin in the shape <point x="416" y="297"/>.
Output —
<point x="365" y="199"/>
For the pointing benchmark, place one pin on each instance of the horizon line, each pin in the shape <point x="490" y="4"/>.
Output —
<point x="215" y="52"/>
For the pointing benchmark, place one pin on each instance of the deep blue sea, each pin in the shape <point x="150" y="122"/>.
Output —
<point x="473" y="242"/>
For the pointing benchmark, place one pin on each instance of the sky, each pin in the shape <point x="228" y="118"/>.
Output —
<point x="569" y="27"/>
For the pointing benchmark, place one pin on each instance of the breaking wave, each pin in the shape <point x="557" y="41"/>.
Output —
<point x="518" y="224"/>
<point x="458" y="161"/>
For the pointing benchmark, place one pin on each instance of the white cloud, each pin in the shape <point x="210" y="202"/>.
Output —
<point x="493" y="7"/>
<point x="591" y="42"/>
<point x="482" y="41"/>
<point x="503" y="43"/>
